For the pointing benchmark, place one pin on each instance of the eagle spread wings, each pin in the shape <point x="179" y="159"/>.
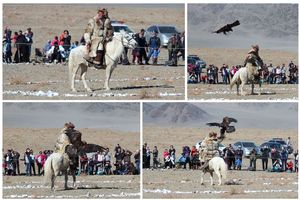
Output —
<point x="227" y="27"/>
<point x="225" y="124"/>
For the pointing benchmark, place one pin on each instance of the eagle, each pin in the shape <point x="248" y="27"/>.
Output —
<point x="227" y="27"/>
<point x="224" y="126"/>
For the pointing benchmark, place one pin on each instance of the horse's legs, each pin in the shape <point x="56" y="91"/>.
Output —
<point x="237" y="88"/>
<point x="83" y="74"/>
<point x="52" y="181"/>
<point x="73" y="74"/>
<point x="201" y="177"/>
<point x="66" y="180"/>
<point x="242" y="88"/>
<point x="74" y="178"/>
<point x="109" y="70"/>
<point x="73" y="82"/>
<point x="219" y="176"/>
<point x="252" y="87"/>
<point x="211" y="178"/>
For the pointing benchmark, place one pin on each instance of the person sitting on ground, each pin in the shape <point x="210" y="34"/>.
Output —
<point x="56" y="53"/>
<point x="289" y="166"/>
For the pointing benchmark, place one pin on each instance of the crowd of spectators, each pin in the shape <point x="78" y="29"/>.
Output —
<point x="269" y="74"/>
<point x="57" y="50"/>
<point x="281" y="160"/>
<point x="21" y="41"/>
<point x="151" y="49"/>
<point x="97" y="163"/>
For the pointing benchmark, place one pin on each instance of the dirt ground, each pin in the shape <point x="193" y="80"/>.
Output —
<point x="45" y="82"/>
<point x="132" y="82"/>
<point x="180" y="183"/>
<point x="218" y="56"/>
<point x="19" y="139"/>
<point x="106" y="187"/>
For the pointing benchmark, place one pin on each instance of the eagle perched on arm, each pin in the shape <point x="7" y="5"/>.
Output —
<point x="224" y="126"/>
<point x="227" y="27"/>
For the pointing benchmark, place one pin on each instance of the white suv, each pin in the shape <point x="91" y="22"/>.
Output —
<point x="120" y="25"/>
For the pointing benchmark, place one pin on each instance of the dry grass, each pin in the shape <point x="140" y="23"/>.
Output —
<point x="40" y="86"/>
<point x="144" y="94"/>
<point x="17" y="80"/>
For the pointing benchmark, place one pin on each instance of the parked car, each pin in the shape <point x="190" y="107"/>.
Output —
<point x="247" y="147"/>
<point x="283" y="143"/>
<point x="221" y="146"/>
<point x="120" y="25"/>
<point x="270" y="145"/>
<point x="164" y="33"/>
<point x="192" y="59"/>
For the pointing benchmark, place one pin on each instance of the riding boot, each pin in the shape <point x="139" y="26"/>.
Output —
<point x="98" y="62"/>
<point x="205" y="165"/>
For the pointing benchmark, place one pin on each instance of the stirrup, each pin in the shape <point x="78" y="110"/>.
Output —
<point x="89" y="60"/>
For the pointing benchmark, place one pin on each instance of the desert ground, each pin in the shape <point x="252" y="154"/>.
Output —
<point x="126" y="186"/>
<point x="218" y="56"/>
<point x="39" y="81"/>
<point x="180" y="183"/>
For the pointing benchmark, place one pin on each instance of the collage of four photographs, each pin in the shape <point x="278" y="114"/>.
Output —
<point x="123" y="101"/>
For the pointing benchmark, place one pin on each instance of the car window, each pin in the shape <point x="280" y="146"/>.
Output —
<point x="167" y="29"/>
<point x="119" y="28"/>
<point x="248" y="144"/>
<point x="191" y="61"/>
<point x="237" y="144"/>
<point x="150" y="29"/>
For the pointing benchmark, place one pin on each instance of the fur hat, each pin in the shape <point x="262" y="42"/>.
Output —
<point x="255" y="46"/>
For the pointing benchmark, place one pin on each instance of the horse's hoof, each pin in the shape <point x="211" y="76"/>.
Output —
<point x="107" y="89"/>
<point x="201" y="183"/>
<point x="89" y="90"/>
<point x="74" y="90"/>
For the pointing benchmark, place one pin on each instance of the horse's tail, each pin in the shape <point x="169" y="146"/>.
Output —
<point x="234" y="79"/>
<point x="223" y="169"/>
<point x="48" y="169"/>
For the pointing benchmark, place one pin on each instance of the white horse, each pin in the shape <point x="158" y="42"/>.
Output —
<point x="113" y="51"/>
<point x="243" y="75"/>
<point x="61" y="162"/>
<point x="217" y="165"/>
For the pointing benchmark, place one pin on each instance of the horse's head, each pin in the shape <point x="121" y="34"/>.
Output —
<point x="128" y="40"/>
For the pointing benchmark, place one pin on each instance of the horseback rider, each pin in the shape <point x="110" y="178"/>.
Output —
<point x="253" y="57"/>
<point x="107" y="25"/>
<point x="63" y="139"/>
<point x="95" y="37"/>
<point x="209" y="148"/>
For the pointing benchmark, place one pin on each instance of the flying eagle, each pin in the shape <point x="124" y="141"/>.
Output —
<point x="224" y="126"/>
<point x="227" y="27"/>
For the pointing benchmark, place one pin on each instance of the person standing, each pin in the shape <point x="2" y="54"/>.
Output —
<point x="172" y="155"/>
<point x="253" y="157"/>
<point x="239" y="157"/>
<point x="142" y="48"/>
<point x="283" y="158"/>
<point x="173" y="46"/>
<point x="29" y="37"/>
<point x="155" y="157"/>
<point x="27" y="162"/>
<point x="265" y="157"/>
<point x="154" y="45"/>
<point x="65" y="40"/>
